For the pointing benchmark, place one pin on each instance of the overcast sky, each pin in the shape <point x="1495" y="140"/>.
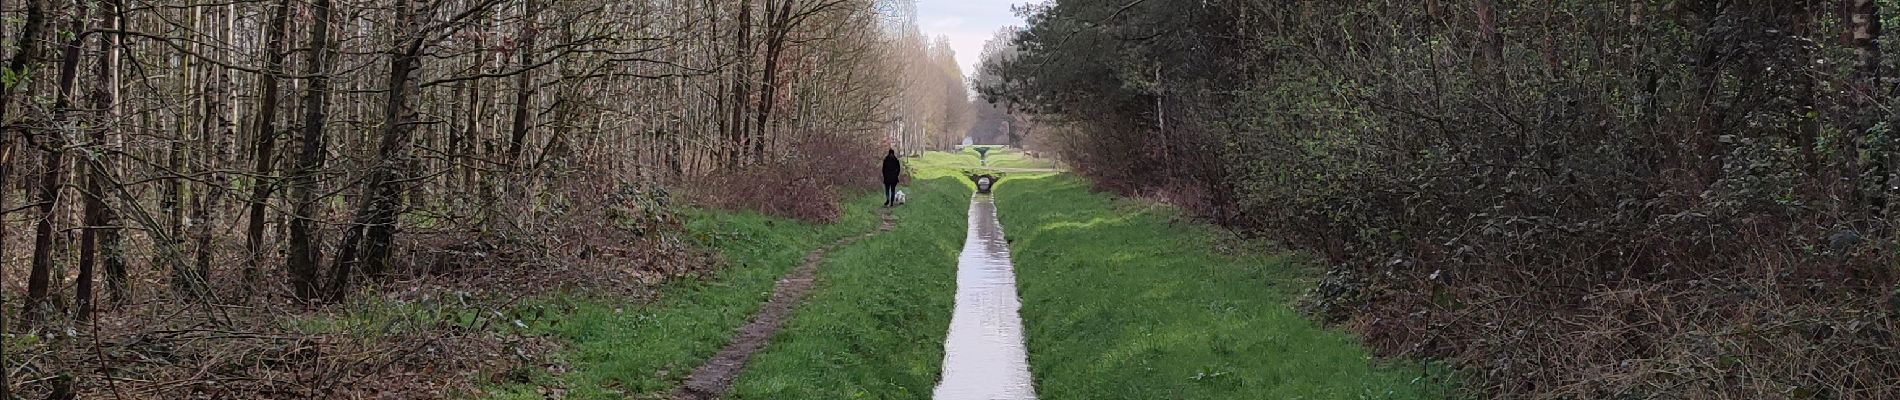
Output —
<point x="968" y="23"/>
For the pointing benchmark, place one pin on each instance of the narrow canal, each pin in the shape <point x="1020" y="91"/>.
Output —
<point x="984" y="357"/>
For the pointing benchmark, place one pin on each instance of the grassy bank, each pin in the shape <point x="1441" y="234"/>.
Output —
<point x="1122" y="302"/>
<point x="644" y="350"/>
<point x="617" y="351"/>
<point x="875" y="325"/>
<point x="999" y="157"/>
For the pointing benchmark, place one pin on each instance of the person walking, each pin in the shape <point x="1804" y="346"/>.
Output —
<point x="892" y="168"/>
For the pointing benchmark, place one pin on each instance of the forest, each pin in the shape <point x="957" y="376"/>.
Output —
<point x="1557" y="198"/>
<point x="595" y="199"/>
<point x="187" y="182"/>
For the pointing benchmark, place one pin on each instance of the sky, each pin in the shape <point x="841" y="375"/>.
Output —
<point x="968" y="23"/>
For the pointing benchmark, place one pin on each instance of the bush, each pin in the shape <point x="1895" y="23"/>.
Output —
<point x="806" y="184"/>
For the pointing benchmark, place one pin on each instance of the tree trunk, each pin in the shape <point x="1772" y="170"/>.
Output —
<point x="524" y="86"/>
<point x="366" y="244"/>
<point x="303" y="254"/>
<point x="172" y="197"/>
<point x="50" y="181"/>
<point x="111" y="236"/>
<point x="781" y="20"/>
<point x="1492" y="45"/>
<point x="102" y="231"/>
<point x="1801" y="24"/>
<point x="214" y="132"/>
<point x="27" y="56"/>
<point x="740" y="86"/>
<point x="264" y="152"/>
<point x="1864" y="31"/>
<point x="463" y="145"/>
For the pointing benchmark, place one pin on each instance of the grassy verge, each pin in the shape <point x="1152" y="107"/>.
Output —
<point x="964" y="163"/>
<point x="1121" y="303"/>
<point x="643" y="350"/>
<point x="874" y="326"/>
<point x="936" y="163"/>
<point x="1003" y="157"/>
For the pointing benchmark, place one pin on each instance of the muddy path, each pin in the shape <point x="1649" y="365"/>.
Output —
<point x="712" y="379"/>
<point x="984" y="357"/>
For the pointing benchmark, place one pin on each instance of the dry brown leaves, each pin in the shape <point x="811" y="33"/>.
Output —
<point x="443" y="324"/>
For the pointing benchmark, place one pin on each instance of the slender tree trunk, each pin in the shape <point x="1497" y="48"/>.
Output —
<point x="6" y="162"/>
<point x="101" y="235"/>
<point x="1864" y="32"/>
<point x="740" y="86"/>
<point x="524" y="85"/>
<point x="1489" y="42"/>
<point x="1801" y="24"/>
<point x="172" y="200"/>
<point x="51" y="179"/>
<point x="464" y="145"/>
<point x="39" y="280"/>
<point x="214" y="132"/>
<point x="111" y="236"/>
<point x="366" y="244"/>
<point x="264" y="152"/>
<point x="1552" y="61"/>
<point x="781" y="20"/>
<point x="303" y="254"/>
<point x="27" y="56"/>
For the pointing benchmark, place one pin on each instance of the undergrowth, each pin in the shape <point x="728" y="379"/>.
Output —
<point x="807" y="184"/>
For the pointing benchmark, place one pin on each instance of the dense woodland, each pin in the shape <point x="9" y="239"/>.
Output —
<point x="1564" y="199"/>
<point x="171" y="166"/>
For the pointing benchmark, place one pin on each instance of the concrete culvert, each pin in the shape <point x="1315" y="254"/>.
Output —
<point x="984" y="182"/>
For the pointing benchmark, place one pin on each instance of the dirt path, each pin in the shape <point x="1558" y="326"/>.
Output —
<point x="983" y="356"/>
<point x="712" y="379"/>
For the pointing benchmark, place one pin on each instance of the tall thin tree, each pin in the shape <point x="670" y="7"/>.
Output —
<point x="265" y="136"/>
<point x="303" y="254"/>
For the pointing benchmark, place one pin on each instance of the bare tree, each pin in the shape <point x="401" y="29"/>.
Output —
<point x="265" y="136"/>
<point x="27" y="56"/>
<point x="303" y="255"/>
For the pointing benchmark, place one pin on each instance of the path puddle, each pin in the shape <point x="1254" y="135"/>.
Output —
<point x="984" y="357"/>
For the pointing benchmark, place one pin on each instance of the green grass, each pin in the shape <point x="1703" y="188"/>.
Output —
<point x="936" y="164"/>
<point x="618" y="351"/>
<point x="1119" y="302"/>
<point x="1001" y="157"/>
<point x="963" y="164"/>
<point x="874" y="326"/>
<point x="1018" y="160"/>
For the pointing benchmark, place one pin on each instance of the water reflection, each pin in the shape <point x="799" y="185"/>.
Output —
<point x="983" y="356"/>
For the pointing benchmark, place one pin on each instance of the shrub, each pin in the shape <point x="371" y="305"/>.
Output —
<point x="806" y="184"/>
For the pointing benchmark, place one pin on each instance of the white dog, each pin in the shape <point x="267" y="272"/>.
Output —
<point x="900" y="197"/>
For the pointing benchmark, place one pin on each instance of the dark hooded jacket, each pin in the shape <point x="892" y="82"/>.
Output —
<point x="891" y="168"/>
